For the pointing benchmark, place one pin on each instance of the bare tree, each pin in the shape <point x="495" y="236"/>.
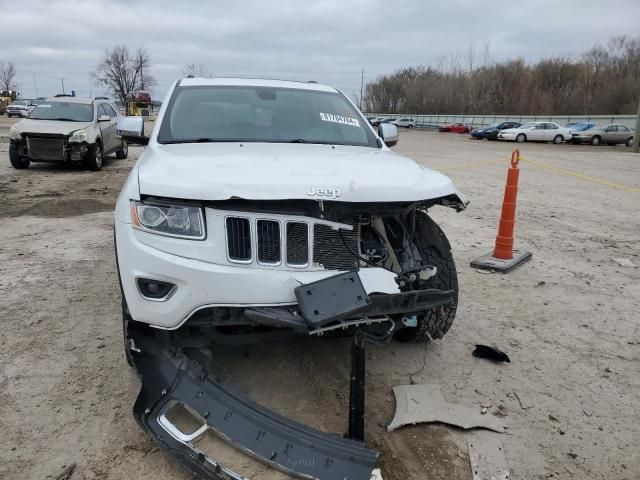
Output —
<point x="604" y="80"/>
<point x="196" y="70"/>
<point x="7" y="76"/>
<point x="122" y="72"/>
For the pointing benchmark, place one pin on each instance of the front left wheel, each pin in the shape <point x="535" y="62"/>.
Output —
<point x="558" y="139"/>
<point x="436" y="251"/>
<point x="93" y="158"/>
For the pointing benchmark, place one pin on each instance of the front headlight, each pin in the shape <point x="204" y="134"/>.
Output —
<point x="14" y="134"/>
<point x="78" y="136"/>
<point x="181" y="221"/>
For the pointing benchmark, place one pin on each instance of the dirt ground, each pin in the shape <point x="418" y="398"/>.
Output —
<point x="568" y="319"/>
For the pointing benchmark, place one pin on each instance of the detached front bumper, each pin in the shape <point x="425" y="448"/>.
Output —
<point x="171" y="378"/>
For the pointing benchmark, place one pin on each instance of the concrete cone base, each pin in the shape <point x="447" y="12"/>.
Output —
<point x="488" y="262"/>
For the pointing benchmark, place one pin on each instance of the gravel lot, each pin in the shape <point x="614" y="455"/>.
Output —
<point x="568" y="319"/>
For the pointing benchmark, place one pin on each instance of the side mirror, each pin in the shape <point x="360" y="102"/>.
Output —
<point x="389" y="133"/>
<point x="131" y="129"/>
<point x="104" y="118"/>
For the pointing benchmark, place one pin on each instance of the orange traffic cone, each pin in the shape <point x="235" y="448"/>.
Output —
<point x="504" y="258"/>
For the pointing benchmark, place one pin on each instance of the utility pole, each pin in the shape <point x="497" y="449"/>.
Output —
<point x="62" y="81"/>
<point x="361" y="88"/>
<point x="636" y="134"/>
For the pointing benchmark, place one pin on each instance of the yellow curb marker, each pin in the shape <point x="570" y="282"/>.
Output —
<point x="586" y="178"/>
<point x="471" y="165"/>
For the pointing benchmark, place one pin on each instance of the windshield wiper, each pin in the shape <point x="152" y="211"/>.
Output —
<point x="63" y="119"/>
<point x="197" y="140"/>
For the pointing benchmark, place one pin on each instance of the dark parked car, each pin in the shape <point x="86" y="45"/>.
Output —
<point x="491" y="132"/>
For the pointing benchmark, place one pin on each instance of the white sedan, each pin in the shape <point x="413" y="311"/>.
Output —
<point x="536" y="132"/>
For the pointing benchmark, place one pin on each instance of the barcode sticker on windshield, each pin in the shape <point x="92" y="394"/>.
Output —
<point x="330" y="117"/>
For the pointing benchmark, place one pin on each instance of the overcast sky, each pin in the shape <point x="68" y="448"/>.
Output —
<point x="327" y="41"/>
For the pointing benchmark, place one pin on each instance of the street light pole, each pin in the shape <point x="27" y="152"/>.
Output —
<point x="636" y="134"/>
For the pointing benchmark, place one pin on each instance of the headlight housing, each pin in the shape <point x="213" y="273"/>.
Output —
<point x="182" y="221"/>
<point x="78" y="136"/>
<point x="14" y="134"/>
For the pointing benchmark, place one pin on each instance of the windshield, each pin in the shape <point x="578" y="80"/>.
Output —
<point x="528" y="125"/>
<point x="262" y="114"/>
<point x="66" y="111"/>
<point x="581" y="127"/>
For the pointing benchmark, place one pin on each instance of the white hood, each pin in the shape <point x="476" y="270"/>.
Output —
<point x="49" y="126"/>
<point x="272" y="171"/>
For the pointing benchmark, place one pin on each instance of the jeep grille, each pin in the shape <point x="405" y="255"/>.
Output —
<point x="238" y="239"/>
<point x="268" y="241"/>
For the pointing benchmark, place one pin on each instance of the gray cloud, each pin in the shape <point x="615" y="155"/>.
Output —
<point x="328" y="41"/>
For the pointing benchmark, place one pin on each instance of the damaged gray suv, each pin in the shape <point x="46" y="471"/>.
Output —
<point x="67" y="129"/>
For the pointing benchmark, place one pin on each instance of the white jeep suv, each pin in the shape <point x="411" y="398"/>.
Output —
<point x="265" y="209"/>
<point x="67" y="129"/>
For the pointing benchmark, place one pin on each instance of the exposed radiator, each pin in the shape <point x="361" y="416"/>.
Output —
<point x="46" y="148"/>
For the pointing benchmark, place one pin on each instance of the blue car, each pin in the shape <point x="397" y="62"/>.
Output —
<point x="491" y="132"/>
<point x="576" y="127"/>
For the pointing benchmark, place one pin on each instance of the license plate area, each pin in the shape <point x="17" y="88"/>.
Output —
<point x="331" y="299"/>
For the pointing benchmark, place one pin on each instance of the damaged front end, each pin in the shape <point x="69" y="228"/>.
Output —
<point x="391" y="276"/>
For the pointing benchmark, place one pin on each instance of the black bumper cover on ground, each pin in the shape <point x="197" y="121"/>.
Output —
<point x="271" y="438"/>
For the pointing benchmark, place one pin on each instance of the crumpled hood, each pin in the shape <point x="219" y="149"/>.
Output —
<point x="271" y="171"/>
<point x="49" y="126"/>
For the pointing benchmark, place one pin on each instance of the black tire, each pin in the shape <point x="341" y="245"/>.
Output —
<point x="521" y="138"/>
<point x="126" y="319"/>
<point x="409" y="126"/>
<point x="436" y="251"/>
<point x="16" y="160"/>
<point x="629" y="142"/>
<point x="595" y="141"/>
<point x="93" y="158"/>
<point x="122" y="153"/>
<point x="558" y="139"/>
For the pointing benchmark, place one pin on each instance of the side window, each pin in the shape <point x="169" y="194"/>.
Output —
<point x="540" y="126"/>
<point x="552" y="126"/>
<point x="612" y="128"/>
<point x="622" y="128"/>
<point x="110" y="111"/>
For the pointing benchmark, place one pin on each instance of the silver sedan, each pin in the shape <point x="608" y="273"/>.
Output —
<point x="609" y="134"/>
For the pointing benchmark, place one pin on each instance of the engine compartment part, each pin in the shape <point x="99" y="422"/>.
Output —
<point x="176" y="376"/>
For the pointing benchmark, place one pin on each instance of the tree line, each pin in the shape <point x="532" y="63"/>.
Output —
<point x="602" y="80"/>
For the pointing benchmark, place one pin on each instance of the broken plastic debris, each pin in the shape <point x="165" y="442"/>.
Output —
<point x="376" y="474"/>
<point x="425" y="404"/>
<point x="486" y="456"/>
<point x="490" y="353"/>
<point x="624" y="262"/>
